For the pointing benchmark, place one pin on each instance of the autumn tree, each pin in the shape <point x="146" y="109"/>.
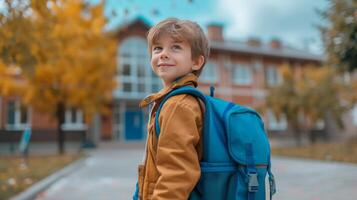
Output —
<point x="340" y="34"/>
<point x="283" y="99"/>
<point x="324" y="97"/>
<point x="306" y="97"/>
<point x="74" y="59"/>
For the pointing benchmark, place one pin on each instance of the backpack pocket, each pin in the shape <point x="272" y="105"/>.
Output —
<point x="226" y="181"/>
<point x="216" y="182"/>
<point x="244" y="127"/>
<point x="249" y="146"/>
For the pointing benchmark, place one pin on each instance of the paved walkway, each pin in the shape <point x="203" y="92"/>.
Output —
<point x="110" y="174"/>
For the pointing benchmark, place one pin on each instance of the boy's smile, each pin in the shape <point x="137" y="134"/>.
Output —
<point x="171" y="59"/>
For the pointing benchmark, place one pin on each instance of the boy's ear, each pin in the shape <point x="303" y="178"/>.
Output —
<point x="197" y="64"/>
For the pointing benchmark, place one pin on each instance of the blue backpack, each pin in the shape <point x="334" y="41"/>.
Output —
<point x="236" y="151"/>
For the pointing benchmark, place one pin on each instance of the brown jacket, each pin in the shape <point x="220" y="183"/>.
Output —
<point x="171" y="168"/>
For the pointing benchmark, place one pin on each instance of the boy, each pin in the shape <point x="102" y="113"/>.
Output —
<point x="178" y="49"/>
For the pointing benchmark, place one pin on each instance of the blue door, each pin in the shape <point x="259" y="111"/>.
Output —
<point x="134" y="125"/>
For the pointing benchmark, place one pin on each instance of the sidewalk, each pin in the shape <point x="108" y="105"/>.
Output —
<point x="110" y="174"/>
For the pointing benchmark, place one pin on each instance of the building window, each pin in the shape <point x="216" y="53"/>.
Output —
<point x="135" y="76"/>
<point x="273" y="77"/>
<point x="354" y="115"/>
<point x="320" y="125"/>
<point x="242" y="74"/>
<point x="73" y="120"/>
<point x="17" y="116"/>
<point x="210" y="72"/>
<point x="275" y="123"/>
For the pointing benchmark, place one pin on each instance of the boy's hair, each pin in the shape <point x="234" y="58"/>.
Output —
<point x="182" y="30"/>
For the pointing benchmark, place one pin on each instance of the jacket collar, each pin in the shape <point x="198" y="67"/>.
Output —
<point x="189" y="79"/>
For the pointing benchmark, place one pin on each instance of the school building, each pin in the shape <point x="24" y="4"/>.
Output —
<point x="240" y="72"/>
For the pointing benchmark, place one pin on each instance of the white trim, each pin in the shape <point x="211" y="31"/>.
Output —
<point x="272" y="75"/>
<point x="122" y="107"/>
<point x="242" y="74"/>
<point x="320" y="125"/>
<point x="77" y="125"/>
<point x="210" y="72"/>
<point x="18" y="125"/>
<point x="74" y="127"/>
<point x="118" y="108"/>
<point x="354" y="115"/>
<point x="136" y="47"/>
<point x="276" y="124"/>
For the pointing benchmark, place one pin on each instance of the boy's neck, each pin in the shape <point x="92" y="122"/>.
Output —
<point x="168" y="86"/>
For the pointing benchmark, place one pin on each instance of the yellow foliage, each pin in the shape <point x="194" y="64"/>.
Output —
<point x="74" y="60"/>
<point x="312" y="92"/>
<point x="9" y="84"/>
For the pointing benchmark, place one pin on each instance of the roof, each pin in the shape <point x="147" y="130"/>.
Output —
<point x="140" y="20"/>
<point x="265" y="50"/>
<point x="238" y="47"/>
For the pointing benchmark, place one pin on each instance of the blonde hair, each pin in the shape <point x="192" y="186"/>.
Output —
<point x="182" y="30"/>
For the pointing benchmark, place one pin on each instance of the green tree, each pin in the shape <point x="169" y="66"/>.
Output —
<point x="340" y="34"/>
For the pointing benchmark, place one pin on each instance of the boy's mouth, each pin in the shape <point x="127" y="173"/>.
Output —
<point x="165" y="65"/>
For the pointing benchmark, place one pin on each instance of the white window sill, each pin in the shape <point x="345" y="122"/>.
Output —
<point x="277" y="128"/>
<point x="16" y="127"/>
<point x="74" y="127"/>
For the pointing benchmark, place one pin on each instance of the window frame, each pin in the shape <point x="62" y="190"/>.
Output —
<point x="275" y="124"/>
<point x="210" y="72"/>
<point x="78" y="123"/>
<point x="18" y="124"/>
<point x="238" y="78"/>
<point x="272" y="76"/>
<point x="132" y="51"/>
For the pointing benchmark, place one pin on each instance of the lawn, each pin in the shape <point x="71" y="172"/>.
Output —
<point x="343" y="152"/>
<point x="16" y="177"/>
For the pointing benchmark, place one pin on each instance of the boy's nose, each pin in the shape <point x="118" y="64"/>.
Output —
<point x="164" y="55"/>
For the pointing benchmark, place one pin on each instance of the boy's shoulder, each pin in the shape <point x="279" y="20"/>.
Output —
<point x="183" y="101"/>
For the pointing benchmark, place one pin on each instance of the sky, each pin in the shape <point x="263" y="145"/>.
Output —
<point x="292" y="21"/>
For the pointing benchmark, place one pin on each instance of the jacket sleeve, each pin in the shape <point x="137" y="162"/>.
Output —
<point x="177" y="158"/>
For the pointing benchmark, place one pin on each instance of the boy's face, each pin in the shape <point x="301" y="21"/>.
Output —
<point x="171" y="59"/>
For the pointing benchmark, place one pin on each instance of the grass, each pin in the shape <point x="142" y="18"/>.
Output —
<point x="342" y="152"/>
<point x="16" y="177"/>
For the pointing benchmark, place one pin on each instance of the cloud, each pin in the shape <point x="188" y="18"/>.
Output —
<point x="291" y="21"/>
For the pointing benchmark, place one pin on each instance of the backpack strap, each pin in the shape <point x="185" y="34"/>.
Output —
<point x="272" y="187"/>
<point x="182" y="90"/>
<point x="253" y="184"/>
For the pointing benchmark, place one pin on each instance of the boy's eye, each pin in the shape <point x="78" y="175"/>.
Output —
<point x="157" y="48"/>
<point x="176" y="46"/>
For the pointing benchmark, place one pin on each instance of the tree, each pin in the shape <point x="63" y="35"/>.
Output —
<point x="283" y="99"/>
<point x="340" y="35"/>
<point x="74" y="59"/>
<point x="309" y="96"/>
<point x="324" y="97"/>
